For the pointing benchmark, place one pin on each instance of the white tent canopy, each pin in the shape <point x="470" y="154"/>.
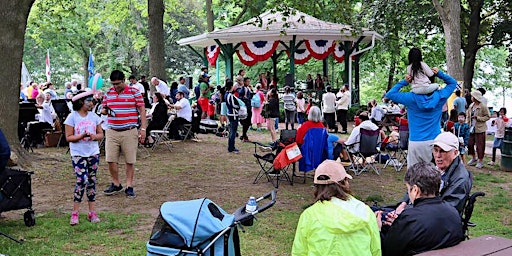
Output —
<point x="271" y="26"/>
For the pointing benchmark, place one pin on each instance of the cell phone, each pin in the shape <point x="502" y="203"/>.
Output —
<point x="384" y="215"/>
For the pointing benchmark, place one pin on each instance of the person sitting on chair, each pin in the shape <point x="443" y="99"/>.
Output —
<point x="337" y="223"/>
<point x="314" y="121"/>
<point x="355" y="136"/>
<point x="158" y="117"/>
<point x="456" y="181"/>
<point x="430" y="224"/>
<point x="183" y="115"/>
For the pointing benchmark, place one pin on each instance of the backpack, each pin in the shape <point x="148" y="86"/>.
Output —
<point x="242" y="111"/>
<point x="256" y="101"/>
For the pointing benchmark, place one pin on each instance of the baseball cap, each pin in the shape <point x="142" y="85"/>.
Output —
<point x="447" y="141"/>
<point x="333" y="170"/>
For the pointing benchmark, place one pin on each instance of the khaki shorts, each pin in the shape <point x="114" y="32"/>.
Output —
<point x="121" y="141"/>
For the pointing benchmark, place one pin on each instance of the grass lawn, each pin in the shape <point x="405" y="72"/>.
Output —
<point x="194" y="170"/>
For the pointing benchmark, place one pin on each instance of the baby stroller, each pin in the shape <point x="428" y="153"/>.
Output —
<point x="196" y="227"/>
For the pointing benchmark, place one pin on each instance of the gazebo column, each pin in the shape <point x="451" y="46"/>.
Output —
<point x="292" y="49"/>
<point x="228" y="51"/>
<point x="325" y="67"/>
<point x="356" y="101"/>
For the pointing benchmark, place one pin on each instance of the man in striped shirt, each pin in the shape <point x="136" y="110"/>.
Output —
<point x="123" y="104"/>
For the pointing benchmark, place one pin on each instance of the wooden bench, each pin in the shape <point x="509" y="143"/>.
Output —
<point x="483" y="245"/>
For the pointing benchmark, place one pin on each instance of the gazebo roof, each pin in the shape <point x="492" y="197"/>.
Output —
<point x="272" y="25"/>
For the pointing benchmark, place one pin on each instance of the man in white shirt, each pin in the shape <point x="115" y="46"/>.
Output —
<point x="182" y="87"/>
<point x="354" y="138"/>
<point x="161" y="87"/>
<point x="329" y="109"/>
<point x="183" y="115"/>
<point x="342" y="103"/>
<point x="136" y="84"/>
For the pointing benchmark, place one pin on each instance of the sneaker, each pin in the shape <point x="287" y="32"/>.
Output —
<point x="491" y="163"/>
<point x="129" y="192"/>
<point x="235" y="151"/>
<point x="113" y="189"/>
<point x="479" y="165"/>
<point x="93" y="217"/>
<point x="74" y="218"/>
<point x="471" y="162"/>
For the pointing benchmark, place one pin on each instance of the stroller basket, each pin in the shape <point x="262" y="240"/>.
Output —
<point x="196" y="227"/>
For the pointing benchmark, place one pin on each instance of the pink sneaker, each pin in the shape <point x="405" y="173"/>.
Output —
<point x="74" y="218"/>
<point x="93" y="217"/>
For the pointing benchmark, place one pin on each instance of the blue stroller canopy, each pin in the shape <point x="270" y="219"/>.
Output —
<point x="196" y="220"/>
<point x="189" y="226"/>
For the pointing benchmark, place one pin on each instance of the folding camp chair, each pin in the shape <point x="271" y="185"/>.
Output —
<point x="187" y="132"/>
<point x="162" y="136"/>
<point x="398" y="155"/>
<point x="368" y="143"/>
<point x="266" y="163"/>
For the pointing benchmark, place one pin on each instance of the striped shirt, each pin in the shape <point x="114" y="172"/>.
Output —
<point x="124" y="106"/>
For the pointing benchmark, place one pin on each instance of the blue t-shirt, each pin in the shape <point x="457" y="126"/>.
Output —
<point x="85" y="147"/>
<point x="460" y="103"/>
<point x="331" y="139"/>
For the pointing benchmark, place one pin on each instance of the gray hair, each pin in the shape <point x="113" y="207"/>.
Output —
<point x="315" y="114"/>
<point x="424" y="175"/>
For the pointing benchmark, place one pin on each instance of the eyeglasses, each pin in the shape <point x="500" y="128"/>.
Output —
<point x="117" y="83"/>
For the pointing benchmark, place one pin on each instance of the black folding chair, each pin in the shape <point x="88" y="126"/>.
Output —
<point x="368" y="143"/>
<point x="266" y="163"/>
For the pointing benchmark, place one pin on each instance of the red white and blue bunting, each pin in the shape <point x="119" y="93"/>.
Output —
<point x="320" y="49"/>
<point x="212" y="53"/>
<point x="339" y="53"/>
<point x="260" y="50"/>
<point x="244" y="58"/>
<point x="301" y="56"/>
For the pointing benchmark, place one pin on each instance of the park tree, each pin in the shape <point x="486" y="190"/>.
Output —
<point x="156" y="38"/>
<point x="484" y="23"/>
<point x="12" y="32"/>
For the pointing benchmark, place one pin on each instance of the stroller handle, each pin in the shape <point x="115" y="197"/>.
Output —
<point x="241" y="216"/>
<point x="272" y="195"/>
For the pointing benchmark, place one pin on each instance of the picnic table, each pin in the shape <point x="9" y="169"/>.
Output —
<point x="390" y="119"/>
<point x="482" y="245"/>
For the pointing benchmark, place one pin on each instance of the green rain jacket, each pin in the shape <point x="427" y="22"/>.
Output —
<point x="337" y="227"/>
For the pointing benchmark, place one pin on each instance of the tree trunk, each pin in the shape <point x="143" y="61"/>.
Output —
<point x="209" y="16"/>
<point x="449" y="12"/>
<point x="12" y="35"/>
<point x="472" y="47"/>
<point x="156" y="38"/>
<point x="391" y="73"/>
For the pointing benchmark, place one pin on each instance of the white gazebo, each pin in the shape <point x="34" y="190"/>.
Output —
<point x="298" y="34"/>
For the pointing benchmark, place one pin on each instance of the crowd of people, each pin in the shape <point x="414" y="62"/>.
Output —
<point x="437" y="182"/>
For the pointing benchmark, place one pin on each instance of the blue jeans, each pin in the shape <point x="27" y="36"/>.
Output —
<point x="233" y="127"/>
<point x="277" y="123"/>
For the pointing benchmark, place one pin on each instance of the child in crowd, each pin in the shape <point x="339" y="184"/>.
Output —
<point x="461" y="130"/>
<point x="420" y="73"/>
<point x="501" y="122"/>
<point x="83" y="131"/>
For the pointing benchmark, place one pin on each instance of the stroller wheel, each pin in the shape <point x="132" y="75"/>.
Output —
<point x="30" y="218"/>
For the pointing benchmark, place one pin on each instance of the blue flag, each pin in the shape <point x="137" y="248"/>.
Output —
<point x="90" y="65"/>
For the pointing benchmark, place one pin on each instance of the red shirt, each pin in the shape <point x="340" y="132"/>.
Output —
<point x="124" y="105"/>
<point x="303" y="129"/>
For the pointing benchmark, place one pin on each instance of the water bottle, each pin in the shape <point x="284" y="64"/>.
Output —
<point x="251" y="205"/>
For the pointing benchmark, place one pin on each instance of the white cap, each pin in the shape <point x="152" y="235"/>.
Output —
<point x="447" y="141"/>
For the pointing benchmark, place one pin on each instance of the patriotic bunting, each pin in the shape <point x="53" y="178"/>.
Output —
<point x="320" y="49"/>
<point x="212" y="53"/>
<point x="301" y="56"/>
<point x="244" y="58"/>
<point x="260" y="50"/>
<point x="339" y="53"/>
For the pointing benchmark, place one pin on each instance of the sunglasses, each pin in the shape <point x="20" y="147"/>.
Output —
<point x="117" y="83"/>
<point x="88" y="99"/>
